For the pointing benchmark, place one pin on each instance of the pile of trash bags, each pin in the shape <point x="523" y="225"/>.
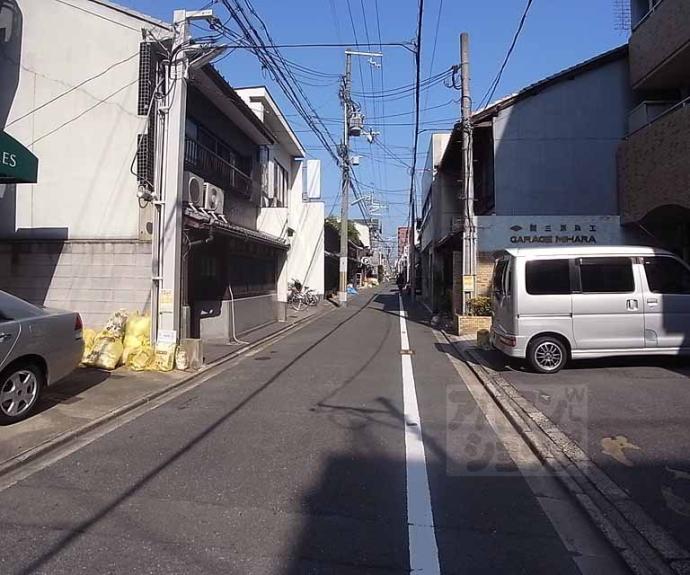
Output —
<point x="125" y="340"/>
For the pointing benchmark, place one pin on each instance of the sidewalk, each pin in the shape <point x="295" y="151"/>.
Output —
<point x="91" y="396"/>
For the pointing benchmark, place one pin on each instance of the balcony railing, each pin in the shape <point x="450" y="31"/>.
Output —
<point x="210" y="166"/>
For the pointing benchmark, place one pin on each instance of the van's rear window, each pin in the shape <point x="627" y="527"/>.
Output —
<point x="547" y="277"/>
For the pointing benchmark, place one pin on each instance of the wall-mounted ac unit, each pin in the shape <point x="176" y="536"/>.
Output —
<point x="214" y="198"/>
<point x="194" y="190"/>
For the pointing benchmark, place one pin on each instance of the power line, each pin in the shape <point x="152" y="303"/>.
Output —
<point x="433" y="51"/>
<point x="75" y="118"/>
<point x="492" y="87"/>
<point x="72" y="89"/>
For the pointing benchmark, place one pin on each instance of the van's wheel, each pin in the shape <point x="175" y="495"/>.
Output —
<point x="20" y="388"/>
<point x="547" y="354"/>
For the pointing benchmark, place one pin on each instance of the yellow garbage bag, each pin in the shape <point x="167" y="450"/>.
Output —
<point x="115" y="326"/>
<point x="165" y="356"/>
<point x="142" y="358"/>
<point x="89" y="336"/>
<point x="106" y="353"/>
<point x="137" y="335"/>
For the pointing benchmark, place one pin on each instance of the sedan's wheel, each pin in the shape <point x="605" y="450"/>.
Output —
<point x="547" y="354"/>
<point x="20" y="388"/>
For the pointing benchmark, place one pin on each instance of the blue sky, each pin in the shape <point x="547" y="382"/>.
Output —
<point x="557" y="34"/>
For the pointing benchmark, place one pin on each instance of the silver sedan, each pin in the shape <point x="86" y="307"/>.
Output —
<point x="38" y="346"/>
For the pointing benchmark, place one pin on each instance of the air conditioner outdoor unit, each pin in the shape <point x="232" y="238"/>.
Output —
<point x="215" y="198"/>
<point x="194" y="188"/>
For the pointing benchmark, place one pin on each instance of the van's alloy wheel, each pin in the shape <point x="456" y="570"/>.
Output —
<point x="547" y="355"/>
<point x="20" y="388"/>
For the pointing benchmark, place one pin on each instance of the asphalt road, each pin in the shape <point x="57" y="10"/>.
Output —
<point x="633" y="420"/>
<point x="305" y="458"/>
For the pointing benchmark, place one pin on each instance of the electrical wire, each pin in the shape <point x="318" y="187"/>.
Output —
<point x="75" y="118"/>
<point x="73" y="88"/>
<point x="494" y="84"/>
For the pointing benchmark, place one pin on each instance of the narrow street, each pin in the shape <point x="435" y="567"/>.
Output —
<point x="308" y="457"/>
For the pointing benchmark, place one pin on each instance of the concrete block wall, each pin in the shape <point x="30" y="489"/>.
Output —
<point x="94" y="278"/>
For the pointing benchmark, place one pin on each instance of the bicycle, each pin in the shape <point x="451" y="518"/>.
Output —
<point x="296" y="297"/>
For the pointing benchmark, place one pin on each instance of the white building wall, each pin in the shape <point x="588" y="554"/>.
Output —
<point x="86" y="139"/>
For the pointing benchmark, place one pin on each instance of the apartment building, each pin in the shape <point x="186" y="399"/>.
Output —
<point x="653" y="165"/>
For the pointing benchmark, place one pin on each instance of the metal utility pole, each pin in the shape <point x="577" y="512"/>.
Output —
<point x="469" y="237"/>
<point x="345" y="183"/>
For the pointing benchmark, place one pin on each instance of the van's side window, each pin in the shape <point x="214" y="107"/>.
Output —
<point x="499" y="276"/>
<point x="666" y="275"/>
<point x="547" y="277"/>
<point x="606" y="275"/>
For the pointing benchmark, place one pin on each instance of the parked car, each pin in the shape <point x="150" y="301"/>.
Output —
<point x="38" y="346"/>
<point x="555" y="304"/>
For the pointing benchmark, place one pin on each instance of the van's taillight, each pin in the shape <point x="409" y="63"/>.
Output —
<point x="78" y="327"/>
<point x="508" y="340"/>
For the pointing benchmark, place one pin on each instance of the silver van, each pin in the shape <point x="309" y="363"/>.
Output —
<point x="555" y="304"/>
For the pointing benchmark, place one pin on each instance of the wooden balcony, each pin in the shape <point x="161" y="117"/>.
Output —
<point x="216" y="170"/>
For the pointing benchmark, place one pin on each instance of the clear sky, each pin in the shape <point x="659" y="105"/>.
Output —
<point x="557" y="35"/>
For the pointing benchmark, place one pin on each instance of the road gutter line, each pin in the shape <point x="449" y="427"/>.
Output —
<point x="581" y="539"/>
<point x="644" y="545"/>
<point x="423" y="549"/>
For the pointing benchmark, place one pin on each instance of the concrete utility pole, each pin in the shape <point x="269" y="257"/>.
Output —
<point x="349" y="128"/>
<point x="411" y="255"/>
<point x="170" y="216"/>
<point x="345" y="184"/>
<point x="469" y="236"/>
<point x="167" y="259"/>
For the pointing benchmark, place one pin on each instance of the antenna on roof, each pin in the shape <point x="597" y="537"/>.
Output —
<point x="621" y="15"/>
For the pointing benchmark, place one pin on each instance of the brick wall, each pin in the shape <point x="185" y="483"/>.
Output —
<point x="94" y="278"/>
<point x="485" y="271"/>
<point x="653" y="166"/>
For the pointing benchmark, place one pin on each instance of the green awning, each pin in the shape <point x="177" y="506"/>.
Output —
<point x="17" y="164"/>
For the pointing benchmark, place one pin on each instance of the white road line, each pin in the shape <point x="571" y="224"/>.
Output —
<point x="420" y="519"/>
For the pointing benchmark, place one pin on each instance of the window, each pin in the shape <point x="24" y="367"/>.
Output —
<point x="606" y="275"/>
<point x="666" y="275"/>
<point x="12" y="308"/>
<point x="499" y="276"/>
<point x="547" y="277"/>
<point x="280" y="185"/>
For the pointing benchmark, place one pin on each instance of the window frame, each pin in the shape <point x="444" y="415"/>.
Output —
<point x="646" y="276"/>
<point x="577" y="274"/>
<point x="569" y="262"/>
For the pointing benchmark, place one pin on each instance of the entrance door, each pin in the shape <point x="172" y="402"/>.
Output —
<point x="607" y="304"/>
<point x="666" y="302"/>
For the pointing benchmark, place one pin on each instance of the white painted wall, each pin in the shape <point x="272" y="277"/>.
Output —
<point x="364" y="233"/>
<point x="502" y="232"/>
<point x="85" y="147"/>
<point x="306" y="259"/>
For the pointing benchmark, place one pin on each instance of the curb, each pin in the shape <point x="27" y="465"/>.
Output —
<point x="25" y="457"/>
<point x="645" y="546"/>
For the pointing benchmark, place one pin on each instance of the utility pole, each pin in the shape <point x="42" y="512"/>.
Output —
<point x="350" y="128"/>
<point x="411" y="256"/>
<point x="469" y="237"/>
<point x="345" y="183"/>
<point x="168" y="220"/>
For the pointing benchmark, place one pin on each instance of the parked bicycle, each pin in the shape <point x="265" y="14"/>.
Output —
<point x="301" y="296"/>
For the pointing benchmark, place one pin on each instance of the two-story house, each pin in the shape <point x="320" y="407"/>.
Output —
<point x="88" y="236"/>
